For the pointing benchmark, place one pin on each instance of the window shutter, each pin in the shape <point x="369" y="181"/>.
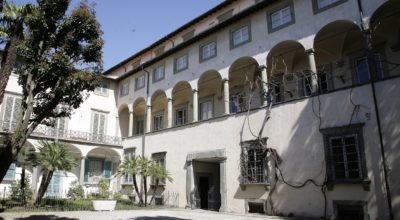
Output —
<point x="107" y="169"/>
<point x="102" y="124"/>
<point x="7" y="113"/>
<point x="10" y="175"/>
<point x="86" y="172"/>
<point x="61" y="123"/>
<point x="17" y="109"/>
<point x="95" y="126"/>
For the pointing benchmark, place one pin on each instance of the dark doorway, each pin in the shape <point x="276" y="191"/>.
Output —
<point x="203" y="192"/>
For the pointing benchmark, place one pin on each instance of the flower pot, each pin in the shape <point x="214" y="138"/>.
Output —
<point x="104" y="205"/>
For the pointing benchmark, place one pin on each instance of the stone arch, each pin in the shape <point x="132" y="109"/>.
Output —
<point x="159" y="104"/>
<point x="139" y="111"/>
<point x="182" y="101"/>
<point x="123" y="117"/>
<point x="210" y="87"/>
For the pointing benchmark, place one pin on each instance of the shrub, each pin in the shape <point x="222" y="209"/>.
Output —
<point x="76" y="191"/>
<point x="17" y="191"/>
<point x="104" y="193"/>
<point x="118" y="196"/>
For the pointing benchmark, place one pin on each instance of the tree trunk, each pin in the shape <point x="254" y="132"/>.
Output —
<point x="22" y="185"/>
<point x="154" y="190"/>
<point x="46" y="178"/>
<point x="9" y="63"/>
<point x="145" y="189"/>
<point x="137" y="190"/>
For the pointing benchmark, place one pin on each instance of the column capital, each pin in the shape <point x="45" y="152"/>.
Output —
<point x="148" y="106"/>
<point x="225" y="80"/>
<point x="189" y="163"/>
<point x="194" y="90"/>
<point x="169" y="99"/>
<point x="83" y="157"/>
<point x="310" y="51"/>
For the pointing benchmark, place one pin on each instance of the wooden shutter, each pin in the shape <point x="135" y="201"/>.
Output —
<point x="8" y="112"/>
<point x="95" y="126"/>
<point x="102" y="123"/>
<point x="107" y="169"/>
<point x="86" y="171"/>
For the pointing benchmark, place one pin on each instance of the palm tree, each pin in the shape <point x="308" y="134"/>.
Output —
<point x="145" y="171"/>
<point x="52" y="156"/>
<point x="12" y="20"/>
<point x="130" y="166"/>
<point x="158" y="172"/>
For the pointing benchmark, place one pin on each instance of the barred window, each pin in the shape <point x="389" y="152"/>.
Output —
<point x="158" y="158"/>
<point x="253" y="163"/>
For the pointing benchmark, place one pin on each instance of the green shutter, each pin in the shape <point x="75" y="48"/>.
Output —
<point x="107" y="169"/>
<point x="10" y="175"/>
<point x="86" y="173"/>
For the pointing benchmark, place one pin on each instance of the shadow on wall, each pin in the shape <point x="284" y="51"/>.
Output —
<point x="44" y="217"/>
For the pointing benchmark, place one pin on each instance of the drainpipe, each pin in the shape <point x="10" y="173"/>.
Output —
<point x="145" y="114"/>
<point x="373" y="71"/>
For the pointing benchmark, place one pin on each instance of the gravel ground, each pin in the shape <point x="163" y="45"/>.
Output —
<point x="176" y="214"/>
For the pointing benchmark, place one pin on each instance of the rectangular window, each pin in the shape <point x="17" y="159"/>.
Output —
<point x="281" y="18"/>
<point x="324" y="83"/>
<point x="277" y="88"/>
<point x="206" y="110"/>
<point x="158" y="73"/>
<point x="53" y="188"/>
<point x="10" y="175"/>
<point x="124" y="89"/>
<point x="208" y="51"/>
<point x="99" y="125"/>
<point x="140" y="82"/>
<point x="321" y="5"/>
<point x="139" y="125"/>
<point x="180" y="116"/>
<point x="11" y="108"/>
<point x="240" y="36"/>
<point x="237" y="103"/>
<point x="253" y="163"/>
<point x="158" y="122"/>
<point x="345" y="154"/>
<point x="181" y="63"/>
<point x="102" y="89"/>
<point x="129" y="153"/>
<point x="362" y="69"/>
<point x="159" y="158"/>
<point x="95" y="170"/>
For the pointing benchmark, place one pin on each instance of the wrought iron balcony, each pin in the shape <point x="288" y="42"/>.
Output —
<point x="45" y="131"/>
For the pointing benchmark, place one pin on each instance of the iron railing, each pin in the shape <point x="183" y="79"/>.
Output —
<point x="46" y="131"/>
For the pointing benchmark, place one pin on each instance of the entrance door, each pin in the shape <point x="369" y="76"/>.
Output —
<point x="203" y="192"/>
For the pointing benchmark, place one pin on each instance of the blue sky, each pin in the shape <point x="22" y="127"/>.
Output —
<point x="132" y="25"/>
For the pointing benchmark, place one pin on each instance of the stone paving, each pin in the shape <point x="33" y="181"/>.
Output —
<point x="175" y="214"/>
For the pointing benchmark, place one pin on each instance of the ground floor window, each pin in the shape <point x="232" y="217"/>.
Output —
<point x="253" y="162"/>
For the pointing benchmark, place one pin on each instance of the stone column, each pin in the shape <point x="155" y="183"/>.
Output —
<point x="190" y="191"/>
<point x="264" y="79"/>
<point x="313" y="69"/>
<point x="35" y="179"/>
<point x="130" y="123"/>
<point x="148" y="119"/>
<point x="222" y="185"/>
<point x="226" y="96"/>
<point x="82" y="170"/>
<point x="169" y="116"/>
<point x="195" y="105"/>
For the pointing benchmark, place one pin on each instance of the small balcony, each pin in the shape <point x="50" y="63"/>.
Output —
<point x="80" y="136"/>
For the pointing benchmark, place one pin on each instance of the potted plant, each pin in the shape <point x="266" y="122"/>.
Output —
<point x="104" y="203"/>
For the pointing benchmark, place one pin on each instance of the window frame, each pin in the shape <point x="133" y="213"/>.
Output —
<point x="137" y="80"/>
<point x="124" y="89"/>
<point x="205" y="100"/>
<point x="139" y="130"/>
<point x="162" y="66"/>
<point x="246" y="146"/>
<point x="159" y="158"/>
<point x="9" y="125"/>
<point x="102" y="89"/>
<point x="237" y="28"/>
<point x="278" y="9"/>
<point x="176" y="70"/>
<point x="317" y="10"/>
<point x="158" y="114"/>
<point x="341" y="132"/>
<point x="177" y="108"/>
<point x="202" y="46"/>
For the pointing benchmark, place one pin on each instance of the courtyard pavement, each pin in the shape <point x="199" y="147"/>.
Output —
<point x="175" y="214"/>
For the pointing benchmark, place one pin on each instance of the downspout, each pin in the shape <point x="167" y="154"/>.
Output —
<point x="145" y="114"/>
<point x="373" y="71"/>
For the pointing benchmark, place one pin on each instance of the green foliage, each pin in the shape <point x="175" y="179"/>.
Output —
<point x="104" y="192"/>
<point x="117" y="196"/>
<point x="54" y="156"/>
<point x="76" y="191"/>
<point x="16" y="191"/>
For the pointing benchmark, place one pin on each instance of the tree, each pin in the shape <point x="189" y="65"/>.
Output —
<point x="145" y="171"/>
<point x="12" y="20"/>
<point x="62" y="63"/>
<point x="23" y="159"/>
<point x="158" y="172"/>
<point x="130" y="166"/>
<point x="52" y="156"/>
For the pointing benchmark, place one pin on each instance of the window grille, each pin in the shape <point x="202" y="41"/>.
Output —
<point x="253" y="163"/>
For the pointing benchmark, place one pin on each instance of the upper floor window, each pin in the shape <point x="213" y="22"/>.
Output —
<point x="253" y="163"/>
<point x="181" y="63"/>
<point x="208" y="51"/>
<point x="181" y="116"/>
<point x="102" y="89"/>
<point x="124" y="89"/>
<point x="344" y="148"/>
<point x="321" y="5"/>
<point x="206" y="110"/>
<point x="237" y="102"/>
<point x="11" y="108"/>
<point x="240" y="36"/>
<point x="158" y="73"/>
<point x="139" y="125"/>
<point x="362" y="69"/>
<point x="140" y="82"/>
<point x="278" y="94"/>
<point x="158" y="121"/>
<point x="280" y="18"/>
<point x="98" y="125"/>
